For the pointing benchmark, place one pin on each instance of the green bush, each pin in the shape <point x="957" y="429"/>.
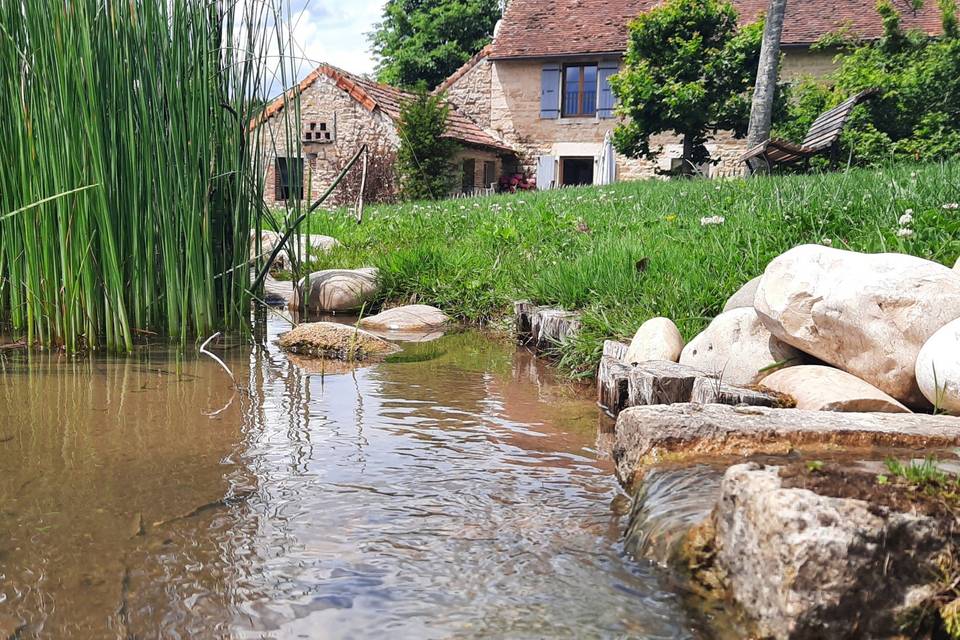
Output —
<point x="916" y="115"/>
<point x="424" y="157"/>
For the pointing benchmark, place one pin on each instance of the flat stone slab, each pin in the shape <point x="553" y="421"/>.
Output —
<point x="661" y="382"/>
<point x="613" y="382"/>
<point x="409" y="318"/>
<point x="647" y="435"/>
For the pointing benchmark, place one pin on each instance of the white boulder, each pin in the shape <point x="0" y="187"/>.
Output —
<point x="736" y="346"/>
<point x="867" y="314"/>
<point x="938" y="368"/>
<point x="820" y="388"/>
<point x="339" y="289"/>
<point x="744" y="295"/>
<point x="412" y="317"/>
<point x="656" y="339"/>
<point x="313" y="243"/>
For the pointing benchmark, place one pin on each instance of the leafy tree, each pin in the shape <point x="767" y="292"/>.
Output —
<point x="424" y="157"/>
<point x="689" y="70"/>
<point x="421" y="42"/>
<point x="916" y="115"/>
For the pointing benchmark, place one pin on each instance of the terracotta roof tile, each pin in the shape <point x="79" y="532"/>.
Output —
<point x="374" y="95"/>
<point x="544" y="28"/>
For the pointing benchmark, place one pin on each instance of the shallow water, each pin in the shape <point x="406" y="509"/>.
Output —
<point x="456" y="494"/>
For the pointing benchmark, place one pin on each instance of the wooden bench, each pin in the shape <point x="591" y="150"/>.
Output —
<point x="823" y="136"/>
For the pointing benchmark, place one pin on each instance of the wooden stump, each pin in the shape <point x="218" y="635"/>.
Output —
<point x="550" y="327"/>
<point x="713" y="391"/>
<point x="661" y="382"/>
<point x="613" y="382"/>
<point x="616" y="350"/>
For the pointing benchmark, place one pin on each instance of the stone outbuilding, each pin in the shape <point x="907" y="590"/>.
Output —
<point x="338" y="113"/>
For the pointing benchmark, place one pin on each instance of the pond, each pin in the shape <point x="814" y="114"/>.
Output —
<point x="456" y="492"/>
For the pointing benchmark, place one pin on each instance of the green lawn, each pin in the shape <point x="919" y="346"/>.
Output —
<point x="579" y="248"/>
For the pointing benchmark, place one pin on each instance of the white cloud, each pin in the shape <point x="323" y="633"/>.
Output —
<point x="334" y="31"/>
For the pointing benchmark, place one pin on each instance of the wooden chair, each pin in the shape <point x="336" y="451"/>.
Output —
<point x="823" y="136"/>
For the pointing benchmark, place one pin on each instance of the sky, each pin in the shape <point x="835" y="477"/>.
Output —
<point x="334" y="31"/>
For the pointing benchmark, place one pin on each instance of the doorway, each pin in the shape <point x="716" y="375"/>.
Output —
<point x="576" y="171"/>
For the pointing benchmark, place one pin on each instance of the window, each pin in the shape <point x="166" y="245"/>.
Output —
<point x="489" y="173"/>
<point x="580" y="90"/>
<point x="288" y="179"/>
<point x="317" y="132"/>
<point x="469" y="176"/>
<point x="576" y="171"/>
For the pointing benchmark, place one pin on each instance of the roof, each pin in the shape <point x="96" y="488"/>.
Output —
<point x="464" y="70"/>
<point x="374" y="95"/>
<point x="545" y="28"/>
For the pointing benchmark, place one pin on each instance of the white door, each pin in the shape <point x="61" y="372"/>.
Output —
<point x="546" y="172"/>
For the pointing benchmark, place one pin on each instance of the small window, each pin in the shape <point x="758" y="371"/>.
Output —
<point x="469" y="176"/>
<point x="580" y="90"/>
<point x="489" y="173"/>
<point x="288" y="179"/>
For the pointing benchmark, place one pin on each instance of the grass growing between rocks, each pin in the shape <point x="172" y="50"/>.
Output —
<point x="627" y="252"/>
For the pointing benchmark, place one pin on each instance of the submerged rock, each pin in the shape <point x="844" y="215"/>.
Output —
<point x="334" y="341"/>
<point x="938" y="368"/>
<point x="820" y="388"/>
<point x="413" y="317"/>
<point x="339" y="290"/>
<point x="808" y="566"/>
<point x="736" y="346"/>
<point x="868" y="314"/>
<point x="656" y="339"/>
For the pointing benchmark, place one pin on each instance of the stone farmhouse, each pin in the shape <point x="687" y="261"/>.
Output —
<point x="536" y="100"/>
<point x="340" y="112"/>
<point x="541" y="85"/>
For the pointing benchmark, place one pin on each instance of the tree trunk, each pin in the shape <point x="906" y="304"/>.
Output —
<point x="764" y="92"/>
<point x="687" y="166"/>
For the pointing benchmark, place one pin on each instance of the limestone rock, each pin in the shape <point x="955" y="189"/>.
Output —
<point x="552" y="327"/>
<point x="744" y="296"/>
<point x="412" y="317"/>
<point x="656" y="339"/>
<point x="334" y="341"/>
<point x="268" y="241"/>
<point x="648" y="434"/>
<point x="938" y="368"/>
<point x="820" y="388"/>
<point x="340" y="289"/>
<point x="805" y="566"/>
<point x="956" y="265"/>
<point x="868" y="314"/>
<point x="277" y="292"/>
<point x="735" y="347"/>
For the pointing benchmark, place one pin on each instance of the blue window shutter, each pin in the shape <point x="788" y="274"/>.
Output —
<point x="605" y="98"/>
<point x="550" y="91"/>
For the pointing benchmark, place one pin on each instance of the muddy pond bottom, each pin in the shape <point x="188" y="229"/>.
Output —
<point x="452" y="493"/>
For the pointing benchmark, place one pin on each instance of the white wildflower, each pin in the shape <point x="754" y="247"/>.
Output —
<point x="827" y="242"/>
<point x="904" y="232"/>
<point x="951" y="206"/>
<point x="905" y="219"/>
<point x="909" y="212"/>
<point x="712" y="220"/>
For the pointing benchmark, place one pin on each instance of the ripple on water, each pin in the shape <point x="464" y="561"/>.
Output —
<point x="448" y="497"/>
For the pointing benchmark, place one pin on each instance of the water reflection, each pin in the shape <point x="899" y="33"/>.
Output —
<point x="454" y="495"/>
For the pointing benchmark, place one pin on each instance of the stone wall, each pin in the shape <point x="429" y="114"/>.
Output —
<point x="350" y="126"/>
<point x="471" y="92"/>
<point x="479" y="157"/>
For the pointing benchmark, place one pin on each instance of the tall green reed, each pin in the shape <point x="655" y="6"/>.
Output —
<point x="127" y="123"/>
